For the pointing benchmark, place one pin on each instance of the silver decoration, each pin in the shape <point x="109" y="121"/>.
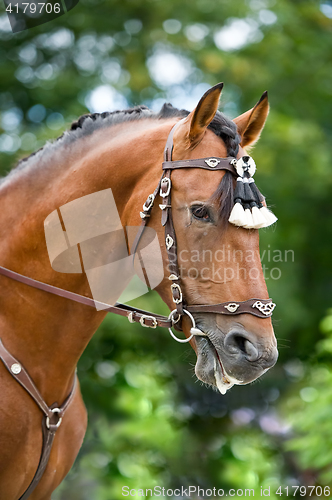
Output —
<point x="232" y="307"/>
<point x="243" y="166"/>
<point x="169" y="241"/>
<point x="16" y="368"/>
<point x="144" y="215"/>
<point x="266" y="309"/>
<point x="173" y="277"/>
<point x="212" y="162"/>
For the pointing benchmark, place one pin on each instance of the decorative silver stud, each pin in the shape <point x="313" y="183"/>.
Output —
<point x="144" y="215"/>
<point x="173" y="277"/>
<point x="169" y="241"/>
<point x="245" y="164"/>
<point x="232" y="307"/>
<point x="162" y="207"/>
<point x="212" y="162"/>
<point x="16" y="368"/>
<point x="266" y="309"/>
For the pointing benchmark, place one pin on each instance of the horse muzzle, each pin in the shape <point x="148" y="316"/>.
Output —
<point x="237" y="358"/>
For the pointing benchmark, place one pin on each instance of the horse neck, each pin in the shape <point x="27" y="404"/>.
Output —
<point x="46" y="333"/>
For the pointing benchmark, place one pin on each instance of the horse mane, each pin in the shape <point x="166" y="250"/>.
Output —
<point x="221" y="126"/>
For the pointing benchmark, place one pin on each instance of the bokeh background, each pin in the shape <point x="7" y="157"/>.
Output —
<point x="150" y="422"/>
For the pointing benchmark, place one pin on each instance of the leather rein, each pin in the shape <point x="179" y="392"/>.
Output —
<point x="261" y="308"/>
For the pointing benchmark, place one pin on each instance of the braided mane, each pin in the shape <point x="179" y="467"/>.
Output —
<point x="221" y="126"/>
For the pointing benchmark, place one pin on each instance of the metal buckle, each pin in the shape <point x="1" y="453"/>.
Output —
<point x="149" y="203"/>
<point x="131" y="317"/>
<point x="175" y="286"/>
<point x="57" y="425"/>
<point x="153" y="319"/>
<point x="166" y="180"/>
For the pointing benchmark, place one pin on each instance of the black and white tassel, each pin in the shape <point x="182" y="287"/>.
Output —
<point x="249" y="211"/>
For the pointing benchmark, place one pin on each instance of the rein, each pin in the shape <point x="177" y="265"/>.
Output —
<point x="261" y="308"/>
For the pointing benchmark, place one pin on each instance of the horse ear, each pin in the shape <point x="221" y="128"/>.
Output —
<point x="251" y="123"/>
<point x="199" y="119"/>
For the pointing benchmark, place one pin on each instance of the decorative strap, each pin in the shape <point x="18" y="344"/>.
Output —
<point x="52" y="415"/>
<point x="210" y="163"/>
<point x="262" y="308"/>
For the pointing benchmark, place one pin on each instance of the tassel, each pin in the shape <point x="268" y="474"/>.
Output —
<point x="258" y="197"/>
<point x="248" y="210"/>
<point x="237" y="216"/>
<point x="258" y="217"/>
<point x="269" y="217"/>
<point x="249" y="196"/>
<point x="239" y="189"/>
<point x="249" y="224"/>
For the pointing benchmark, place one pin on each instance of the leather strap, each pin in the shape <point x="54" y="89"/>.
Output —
<point x="51" y="420"/>
<point x="135" y="315"/>
<point x="223" y="164"/>
<point x="262" y="308"/>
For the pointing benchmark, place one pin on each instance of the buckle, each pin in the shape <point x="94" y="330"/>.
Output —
<point x="54" y="410"/>
<point x="152" y="318"/>
<point x="131" y="317"/>
<point x="166" y="182"/>
<point x="149" y="203"/>
<point x="177" y="287"/>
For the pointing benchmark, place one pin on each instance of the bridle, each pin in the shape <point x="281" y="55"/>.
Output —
<point x="261" y="308"/>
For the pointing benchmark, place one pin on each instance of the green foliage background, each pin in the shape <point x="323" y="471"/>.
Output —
<point x="149" y="422"/>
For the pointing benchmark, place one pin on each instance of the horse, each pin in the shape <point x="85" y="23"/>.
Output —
<point x="45" y="334"/>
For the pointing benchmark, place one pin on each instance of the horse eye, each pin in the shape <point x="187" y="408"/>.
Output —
<point x="201" y="212"/>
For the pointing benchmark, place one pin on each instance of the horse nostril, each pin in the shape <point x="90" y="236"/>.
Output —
<point x="238" y="344"/>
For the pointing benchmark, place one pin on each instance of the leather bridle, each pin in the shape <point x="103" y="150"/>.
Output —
<point x="261" y="308"/>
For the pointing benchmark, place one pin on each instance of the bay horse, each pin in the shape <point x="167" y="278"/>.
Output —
<point x="46" y="334"/>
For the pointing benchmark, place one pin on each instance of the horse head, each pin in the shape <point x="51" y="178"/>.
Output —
<point x="219" y="262"/>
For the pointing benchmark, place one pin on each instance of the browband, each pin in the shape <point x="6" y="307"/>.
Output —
<point x="210" y="163"/>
